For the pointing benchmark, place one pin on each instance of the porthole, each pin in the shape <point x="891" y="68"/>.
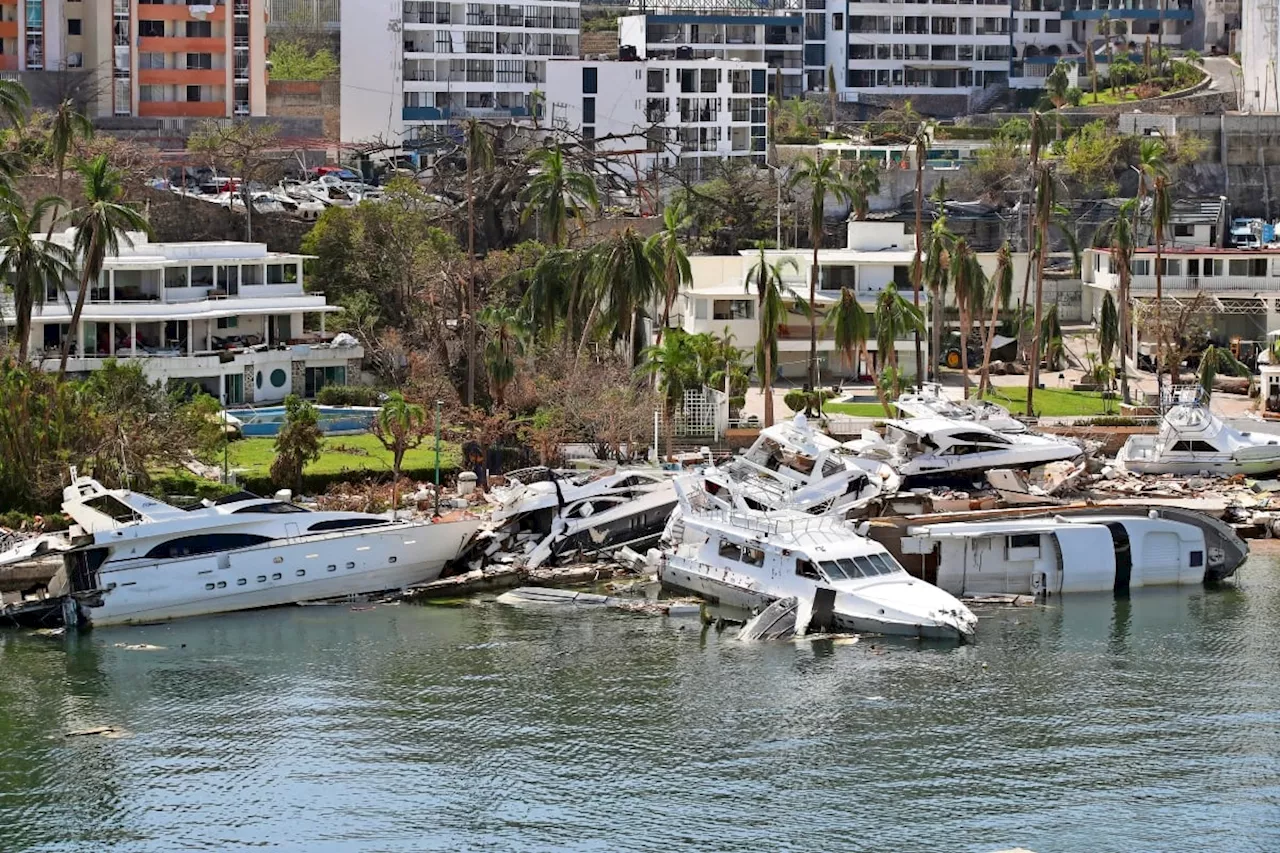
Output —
<point x="208" y="586"/>
<point x="241" y="582"/>
<point x="276" y="576"/>
<point x="278" y="560"/>
<point x="351" y="565"/>
<point x="262" y="578"/>
<point x="391" y="559"/>
<point x="332" y="568"/>
<point x="222" y="584"/>
<point x="278" y="378"/>
<point x="258" y="380"/>
<point x="301" y="572"/>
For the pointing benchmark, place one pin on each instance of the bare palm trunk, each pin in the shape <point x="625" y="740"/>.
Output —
<point x="89" y="263"/>
<point x="1160" y="335"/>
<point x="669" y="413"/>
<point x="586" y="330"/>
<point x="966" y="325"/>
<point x="766" y="383"/>
<point x="813" y="314"/>
<point x="1033" y="373"/>
<point x="395" y="487"/>
<point x="984" y="378"/>
<point x="471" y="281"/>
<point x="935" y="334"/>
<point x="248" y="210"/>
<point x="1124" y="333"/>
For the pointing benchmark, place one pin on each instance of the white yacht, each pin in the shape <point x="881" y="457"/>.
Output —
<point x="138" y="559"/>
<point x="1065" y="554"/>
<point x="1193" y="439"/>
<point x="750" y="559"/>
<point x="931" y="447"/>
<point x="932" y="402"/>
<point x="563" y="512"/>
<point x="793" y="466"/>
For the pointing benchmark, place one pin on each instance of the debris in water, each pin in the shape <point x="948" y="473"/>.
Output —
<point x="139" y="647"/>
<point x="110" y="732"/>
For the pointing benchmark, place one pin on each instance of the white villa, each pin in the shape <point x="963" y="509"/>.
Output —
<point x="226" y="316"/>
<point x="878" y="253"/>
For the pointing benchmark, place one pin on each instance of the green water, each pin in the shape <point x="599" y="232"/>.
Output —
<point x="1096" y="725"/>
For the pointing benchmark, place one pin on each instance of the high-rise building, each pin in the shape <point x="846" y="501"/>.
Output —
<point x="412" y="66"/>
<point x="1260" y="56"/>
<point x="155" y="58"/>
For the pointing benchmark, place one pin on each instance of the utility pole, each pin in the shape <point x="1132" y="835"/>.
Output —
<point x="437" y="511"/>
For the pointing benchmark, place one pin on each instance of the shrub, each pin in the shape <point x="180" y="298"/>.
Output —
<point x="348" y="395"/>
<point x="318" y="484"/>
<point x="184" y="483"/>
<point x="1114" y="421"/>
<point x="795" y="400"/>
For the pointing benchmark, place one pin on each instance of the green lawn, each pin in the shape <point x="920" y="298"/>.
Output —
<point x="858" y="410"/>
<point x="1108" y="96"/>
<point x="1052" y="402"/>
<point x="340" y="453"/>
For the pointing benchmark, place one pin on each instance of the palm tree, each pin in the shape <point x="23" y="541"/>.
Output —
<point x="863" y="184"/>
<point x="1108" y="328"/>
<point x="15" y="100"/>
<point x="400" y="427"/>
<point x="1044" y="212"/>
<point x="29" y="262"/>
<point x="479" y="158"/>
<point x="622" y="278"/>
<point x="101" y="223"/>
<point x="1151" y="165"/>
<point x="1215" y="360"/>
<point x="66" y="126"/>
<point x="1001" y="296"/>
<point x="1160" y="214"/>
<point x="507" y="336"/>
<point x="831" y="94"/>
<point x="1037" y="140"/>
<point x="969" y="282"/>
<point x="851" y="325"/>
<point x="1119" y="233"/>
<point x="558" y="193"/>
<point x="671" y="258"/>
<point x="765" y="279"/>
<point x="936" y="264"/>
<point x="895" y="318"/>
<point x="675" y="365"/>
<point x="823" y="178"/>
<point x="921" y="143"/>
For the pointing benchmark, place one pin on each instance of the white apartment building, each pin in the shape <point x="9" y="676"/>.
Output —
<point x="230" y="317"/>
<point x="663" y="111"/>
<point x="879" y="253"/>
<point x="1260" y="57"/>
<point x="411" y="67"/>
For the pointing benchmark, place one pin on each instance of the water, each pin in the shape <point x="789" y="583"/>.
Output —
<point x="1149" y="725"/>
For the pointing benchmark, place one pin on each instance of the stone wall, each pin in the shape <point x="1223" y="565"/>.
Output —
<point x="310" y="100"/>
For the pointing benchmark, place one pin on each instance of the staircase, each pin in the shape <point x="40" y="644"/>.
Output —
<point x="982" y="100"/>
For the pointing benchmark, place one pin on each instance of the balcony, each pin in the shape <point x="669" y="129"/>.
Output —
<point x="1149" y="10"/>
<point x="177" y="12"/>
<point x="183" y="76"/>
<point x="182" y="109"/>
<point x="181" y="44"/>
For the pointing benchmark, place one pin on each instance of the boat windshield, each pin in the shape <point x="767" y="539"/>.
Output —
<point x="854" y="568"/>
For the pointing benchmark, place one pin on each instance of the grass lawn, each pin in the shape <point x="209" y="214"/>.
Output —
<point x="1108" y="96"/>
<point x="340" y="453"/>
<point x="858" y="410"/>
<point x="1053" y="402"/>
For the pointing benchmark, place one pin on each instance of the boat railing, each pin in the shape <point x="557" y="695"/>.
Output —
<point x="770" y="526"/>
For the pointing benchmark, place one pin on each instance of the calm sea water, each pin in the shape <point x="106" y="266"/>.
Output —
<point x="1096" y="725"/>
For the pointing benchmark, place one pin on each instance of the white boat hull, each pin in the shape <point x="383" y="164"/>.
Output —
<point x="852" y="613"/>
<point x="282" y="572"/>
<point x="1138" y="456"/>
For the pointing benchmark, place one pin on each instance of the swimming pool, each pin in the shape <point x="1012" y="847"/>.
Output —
<point x="334" y="420"/>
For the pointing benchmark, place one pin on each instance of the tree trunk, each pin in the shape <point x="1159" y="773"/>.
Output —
<point x="917" y="269"/>
<point x="766" y="383"/>
<point x="248" y="209"/>
<point x="89" y="258"/>
<point x="471" y="282"/>
<point x="670" y="415"/>
<point x="666" y="301"/>
<point x="1160" y="336"/>
<point x="813" y="311"/>
<point x="935" y="320"/>
<point x="984" y="378"/>
<point x="1033" y="371"/>
<point x="1124" y="333"/>
<point x="966" y="323"/>
<point x="395" y="484"/>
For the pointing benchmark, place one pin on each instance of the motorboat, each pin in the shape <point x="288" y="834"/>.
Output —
<point x="1064" y="554"/>
<point x="749" y="559"/>
<point x="1192" y="439"/>
<point x="138" y="559"/>
<point x="932" y="402"/>
<point x="793" y="466"/>
<point x="547" y="514"/>
<point x="933" y="447"/>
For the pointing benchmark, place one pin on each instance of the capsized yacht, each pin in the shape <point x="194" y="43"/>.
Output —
<point x="137" y="559"/>
<point x="793" y="466"/>
<point x="1193" y="439"/>
<point x="1066" y="554"/>
<point x="932" y="447"/>
<point x="750" y="559"/>
<point x="556" y="513"/>
<point x="932" y="402"/>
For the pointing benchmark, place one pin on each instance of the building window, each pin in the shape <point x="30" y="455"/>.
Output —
<point x="73" y="26"/>
<point x="588" y="110"/>
<point x="193" y="93"/>
<point x="202" y="61"/>
<point x="1183" y="230"/>
<point x="195" y="29"/>
<point x="732" y="309"/>
<point x="837" y="21"/>
<point x="1031" y="25"/>
<point x="589" y="137"/>
<point x="278" y="378"/>
<point x="589" y="80"/>
<point x="1052" y="25"/>
<point x="151" y="29"/>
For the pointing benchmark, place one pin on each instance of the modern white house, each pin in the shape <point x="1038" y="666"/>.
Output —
<point x="412" y="67"/>
<point x="232" y="318"/>
<point x="878" y="254"/>
<point x="662" y="111"/>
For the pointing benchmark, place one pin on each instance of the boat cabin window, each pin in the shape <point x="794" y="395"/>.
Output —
<point x="1194" y="447"/>
<point x="805" y="569"/>
<point x="111" y="507"/>
<point x="274" y="507"/>
<point x="853" y="568"/>
<point x="831" y="466"/>
<point x="236" y="497"/>
<point x="752" y="556"/>
<point x="344" y="524"/>
<point x="979" y="437"/>
<point x="730" y="550"/>
<point x="1022" y="546"/>
<point x="205" y="543"/>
